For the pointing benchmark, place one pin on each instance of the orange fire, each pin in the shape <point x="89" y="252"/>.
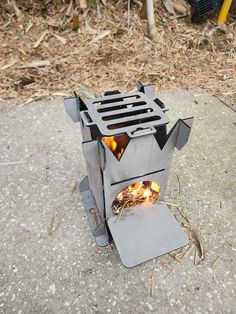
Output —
<point x="140" y="193"/>
<point x="117" y="144"/>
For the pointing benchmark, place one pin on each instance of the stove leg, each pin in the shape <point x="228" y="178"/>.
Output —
<point x="97" y="225"/>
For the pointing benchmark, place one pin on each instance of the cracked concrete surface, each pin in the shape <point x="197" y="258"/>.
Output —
<point x="44" y="269"/>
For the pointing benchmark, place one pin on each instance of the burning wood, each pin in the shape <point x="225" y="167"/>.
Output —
<point x="140" y="193"/>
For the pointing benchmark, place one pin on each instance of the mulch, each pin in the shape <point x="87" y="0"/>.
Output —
<point x="41" y="56"/>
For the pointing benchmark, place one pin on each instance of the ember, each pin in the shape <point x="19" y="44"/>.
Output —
<point x="140" y="193"/>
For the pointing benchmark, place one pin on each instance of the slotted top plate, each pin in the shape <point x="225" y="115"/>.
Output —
<point x="145" y="233"/>
<point x="119" y="113"/>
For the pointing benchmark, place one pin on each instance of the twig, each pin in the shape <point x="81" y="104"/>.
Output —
<point x="35" y="64"/>
<point x="54" y="223"/>
<point x="29" y="27"/>
<point x="6" y="66"/>
<point x="195" y="258"/>
<point x="29" y="101"/>
<point x="177" y="16"/>
<point x="95" y="218"/>
<point x="74" y="186"/>
<point x="192" y="267"/>
<point x="41" y="38"/>
<point x="223" y="102"/>
<point x="218" y="284"/>
<point x="180" y="256"/>
<point x="167" y="203"/>
<point x="198" y="244"/>
<point x="173" y="269"/>
<point x="122" y="209"/>
<point x="69" y="9"/>
<point x="12" y="163"/>
<point x="215" y="261"/>
<point x="152" y="285"/>
<point x="183" y="215"/>
<point x="16" y="9"/>
<point x="112" y="219"/>
<point x="129" y="5"/>
<point x="101" y="36"/>
<point x="188" y="227"/>
<point x="177" y="206"/>
<point x="178" y="183"/>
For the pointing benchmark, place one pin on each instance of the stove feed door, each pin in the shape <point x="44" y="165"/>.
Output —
<point x="144" y="233"/>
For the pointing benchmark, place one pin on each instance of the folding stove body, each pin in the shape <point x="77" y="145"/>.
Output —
<point x="143" y="232"/>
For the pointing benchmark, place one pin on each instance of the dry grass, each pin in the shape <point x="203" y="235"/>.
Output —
<point x="105" y="54"/>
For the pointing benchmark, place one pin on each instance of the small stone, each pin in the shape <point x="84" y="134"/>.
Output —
<point x="52" y="289"/>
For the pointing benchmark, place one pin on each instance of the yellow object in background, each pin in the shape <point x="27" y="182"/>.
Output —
<point x="224" y="12"/>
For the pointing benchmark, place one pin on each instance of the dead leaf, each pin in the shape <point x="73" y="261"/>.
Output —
<point x="4" y="67"/>
<point x="35" y="64"/>
<point x="180" y="7"/>
<point x="176" y="6"/>
<point x="101" y="36"/>
<point x="41" y="38"/>
<point x="61" y="39"/>
<point x="74" y="186"/>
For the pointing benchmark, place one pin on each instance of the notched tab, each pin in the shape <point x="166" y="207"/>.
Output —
<point x="148" y="90"/>
<point x="72" y="108"/>
<point x="185" y="126"/>
<point x="179" y="134"/>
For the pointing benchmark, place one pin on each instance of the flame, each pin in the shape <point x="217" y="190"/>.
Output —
<point x="140" y="193"/>
<point x="111" y="143"/>
<point x="117" y="144"/>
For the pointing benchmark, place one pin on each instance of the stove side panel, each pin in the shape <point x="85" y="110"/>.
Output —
<point x="90" y="150"/>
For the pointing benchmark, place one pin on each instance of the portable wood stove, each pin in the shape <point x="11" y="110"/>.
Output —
<point x="127" y="151"/>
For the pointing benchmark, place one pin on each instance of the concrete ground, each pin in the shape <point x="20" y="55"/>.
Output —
<point x="49" y="262"/>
